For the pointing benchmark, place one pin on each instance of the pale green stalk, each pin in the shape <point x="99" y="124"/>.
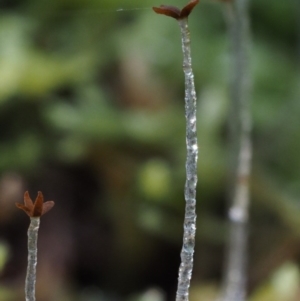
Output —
<point x="187" y="252"/>
<point x="235" y="280"/>
<point x="32" y="258"/>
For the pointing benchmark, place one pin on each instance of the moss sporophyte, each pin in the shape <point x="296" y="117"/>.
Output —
<point x="34" y="211"/>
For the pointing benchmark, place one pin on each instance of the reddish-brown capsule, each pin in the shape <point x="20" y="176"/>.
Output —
<point x="36" y="209"/>
<point x="175" y="12"/>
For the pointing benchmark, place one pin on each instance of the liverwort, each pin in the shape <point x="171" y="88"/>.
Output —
<point x="34" y="211"/>
<point x="187" y="252"/>
<point x="235" y="277"/>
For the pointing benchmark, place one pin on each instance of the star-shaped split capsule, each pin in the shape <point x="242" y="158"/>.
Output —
<point x="175" y="12"/>
<point x="36" y="209"/>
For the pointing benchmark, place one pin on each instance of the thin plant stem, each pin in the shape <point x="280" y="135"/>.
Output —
<point x="297" y="8"/>
<point x="240" y="131"/>
<point x="189" y="226"/>
<point x="32" y="258"/>
<point x="186" y="266"/>
<point x="34" y="211"/>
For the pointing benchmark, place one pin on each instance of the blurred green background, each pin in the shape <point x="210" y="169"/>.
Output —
<point x="92" y="114"/>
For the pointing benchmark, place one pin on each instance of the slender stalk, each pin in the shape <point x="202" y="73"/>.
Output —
<point x="297" y="4"/>
<point x="186" y="266"/>
<point x="34" y="211"/>
<point x="241" y="125"/>
<point x="187" y="251"/>
<point x="32" y="258"/>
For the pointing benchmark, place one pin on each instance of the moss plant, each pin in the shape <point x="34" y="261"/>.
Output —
<point x="187" y="252"/>
<point x="34" y="211"/>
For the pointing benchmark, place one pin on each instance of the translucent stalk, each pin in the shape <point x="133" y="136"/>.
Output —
<point x="32" y="258"/>
<point x="241" y="124"/>
<point x="186" y="266"/>
<point x="297" y="4"/>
